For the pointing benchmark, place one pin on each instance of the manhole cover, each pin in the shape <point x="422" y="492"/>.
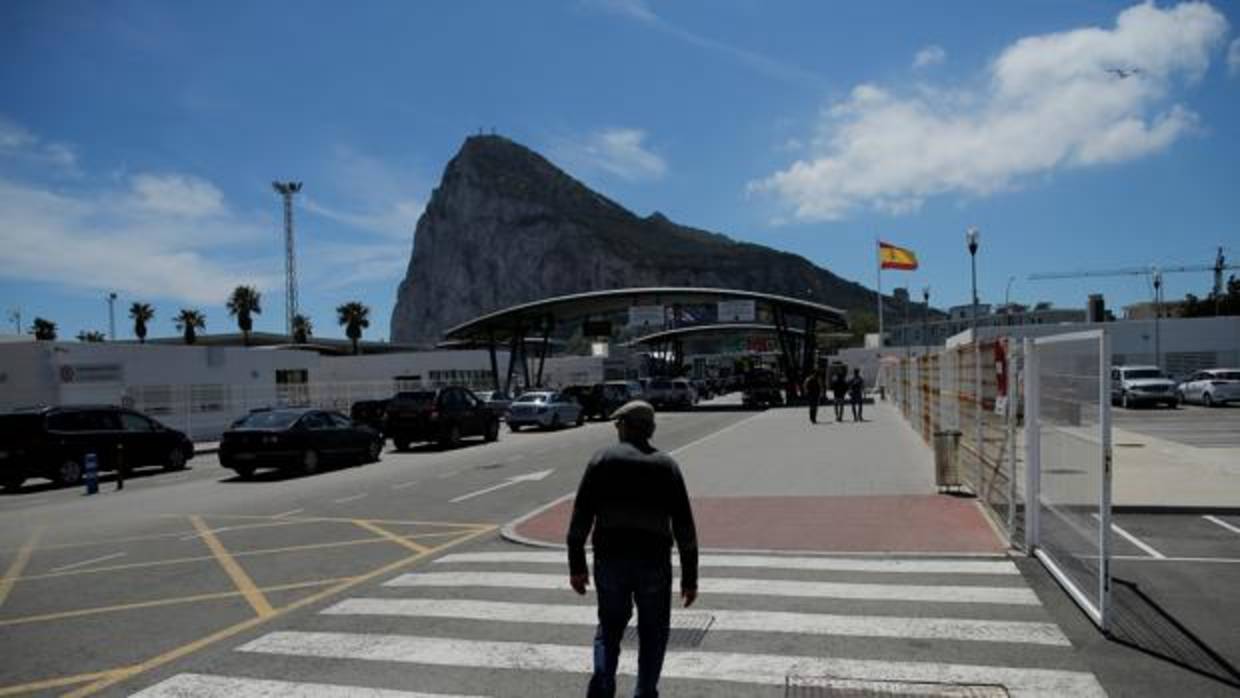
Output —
<point x="831" y="687"/>
<point x="687" y="630"/>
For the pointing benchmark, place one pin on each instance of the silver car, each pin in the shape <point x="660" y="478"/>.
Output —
<point x="1136" y="385"/>
<point x="543" y="408"/>
<point x="1215" y="386"/>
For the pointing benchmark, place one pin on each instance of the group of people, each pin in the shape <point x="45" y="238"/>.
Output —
<point x="842" y="388"/>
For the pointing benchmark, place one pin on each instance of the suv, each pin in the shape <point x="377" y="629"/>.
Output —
<point x="683" y="394"/>
<point x="761" y="389"/>
<point x="591" y="398"/>
<point x="1135" y="385"/>
<point x="53" y="442"/>
<point x="370" y="412"/>
<point x="444" y="415"/>
<point x="616" y="393"/>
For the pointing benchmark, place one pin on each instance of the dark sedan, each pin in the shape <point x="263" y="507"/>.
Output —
<point x="296" y="439"/>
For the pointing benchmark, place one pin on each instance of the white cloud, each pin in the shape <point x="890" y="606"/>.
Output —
<point x="928" y="56"/>
<point x="1070" y="99"/>
<point x="18" y="143"/>
<point x="382" y="196"/>
<point x="619" y="151"/>
<point x="1233" y="58"/>
<point x="177" y="195"/>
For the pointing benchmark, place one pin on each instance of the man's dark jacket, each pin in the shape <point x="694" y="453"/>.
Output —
<point x="635" y="500"/>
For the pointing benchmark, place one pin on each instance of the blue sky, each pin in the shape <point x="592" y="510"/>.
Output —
<point x="138" y="140"/>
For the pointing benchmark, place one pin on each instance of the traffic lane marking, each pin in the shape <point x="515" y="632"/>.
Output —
<point x="235" y="571"/>
<point x="290" y="512"/>
<point x="1219" y="522"/>
<point x="84" y="563"/>
<point x="306" y="519"/>
<point x="211" y="686"/>
<point x="14" y="572"/>
<point x="58" y="682"/>
<point x="1180" y="535"/>
<point x="242" y="527"/>
<point x="353" y="498"/>
<point x="184" y="650"/>
<point x="388" y="535"/>
<point x="405" y="485"/>
<point x="1140" y="544"/>
<point x="1207" y="560"/>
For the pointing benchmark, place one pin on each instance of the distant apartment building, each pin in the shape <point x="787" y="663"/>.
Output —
<point x="919" y="331"/>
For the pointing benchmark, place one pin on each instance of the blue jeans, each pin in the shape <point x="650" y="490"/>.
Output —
<point x="619" y="583"/>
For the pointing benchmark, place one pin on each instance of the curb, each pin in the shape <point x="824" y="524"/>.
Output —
<point x="1192" y="509"/>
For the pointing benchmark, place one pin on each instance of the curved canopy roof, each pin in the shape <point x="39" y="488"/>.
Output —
<point x="709" y="331"/>
<point x="518" y="319"/>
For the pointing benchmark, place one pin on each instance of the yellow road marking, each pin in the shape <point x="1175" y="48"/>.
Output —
<point x="348" y="520"/>
<point x="244" y="584"/>
<point x="61" y="615"/>
<point x="19" y="563"/>
<point x="391" y="536"/>
<point x="152" y="536"/>
<point x="55" y="683"/>
<point x="176" y="653"/>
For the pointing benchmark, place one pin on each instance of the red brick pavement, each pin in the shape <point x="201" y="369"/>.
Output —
<point x="939" y="524"/>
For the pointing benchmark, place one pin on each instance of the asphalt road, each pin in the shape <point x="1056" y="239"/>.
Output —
<point x="133" y="579"/>
<point x="1193" y="425"/>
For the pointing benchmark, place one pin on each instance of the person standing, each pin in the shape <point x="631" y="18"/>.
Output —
<point x="813" y="394"/>
<point x="839" y="393"/>
<point x="634" y="498"/>
<point x="856" y="391"/>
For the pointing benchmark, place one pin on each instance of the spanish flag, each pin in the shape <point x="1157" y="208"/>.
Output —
<point x="892" y="257"/>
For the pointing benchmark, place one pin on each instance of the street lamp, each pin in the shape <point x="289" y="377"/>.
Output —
<point x="925" y="318"/>
<point x="112" y="316"/>
<point x="973" y="237"/>
<point x="1007" y="306"/>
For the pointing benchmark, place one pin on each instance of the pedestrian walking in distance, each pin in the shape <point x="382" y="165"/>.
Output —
<point x="813" y="394"/>
<point x="856" y="390"/>
<point x="839" y="393"/>
<point x="634" y="498"/>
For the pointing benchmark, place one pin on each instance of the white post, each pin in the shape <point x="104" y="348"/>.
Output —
<point x="1033" y="455"/>
<point x="977" y="410"/>
<point x="878" y="258"/>
<point x="1104" y="518"/>
<point x="1013" y="386"/>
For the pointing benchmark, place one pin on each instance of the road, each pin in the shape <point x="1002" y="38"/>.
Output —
<point x="392" y="577"/>
<point x="1191" y="425"/>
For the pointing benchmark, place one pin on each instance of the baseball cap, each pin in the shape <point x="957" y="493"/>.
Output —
<point x="635" y="411"/>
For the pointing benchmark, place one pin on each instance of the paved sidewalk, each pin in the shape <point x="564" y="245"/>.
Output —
<point x="776" y="482"/>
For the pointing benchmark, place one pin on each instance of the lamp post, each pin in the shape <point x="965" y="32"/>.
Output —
<point x="973" y="237"/>
<point x="1157" y="317"/>
<point x="112" y="316"/>
<point x="1007" y="305"/>
<point x="925" y="318"/>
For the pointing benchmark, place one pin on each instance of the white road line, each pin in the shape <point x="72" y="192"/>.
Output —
<point x="528" y="477"/>
<point x="1146" y="547"/>
<point x="290" y="512"/>
<point x="1220" y="522"/>
<point x="207" y="686"/>
<point x="830" y="564"/>
<point x="741" y="621"/>
<point x="764" y="669"/>
<point x="86" y="562"/>
<point x="447" y="475"/>
<point x="405" y="485"/>
<point x="354" y="498"/>
<point x="1019" y="596"/>
<point x="712" y="435"/>
<point x="1142" y="558"/>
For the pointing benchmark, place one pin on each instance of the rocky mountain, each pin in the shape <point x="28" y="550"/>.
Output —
<point x="505" y="226"/>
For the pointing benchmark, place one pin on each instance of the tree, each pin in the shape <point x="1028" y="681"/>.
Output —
<point x="43" y="329"/>
<point x="243" y="304"/>
<point x="302" y="329"/>
<point x="189" y="321"/>
<point x="90" y="336"/>
<point x="141" y="313"/>
<point x="355" y="318"/>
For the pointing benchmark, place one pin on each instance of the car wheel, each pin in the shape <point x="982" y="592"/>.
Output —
<point x="176" y="460"/>
<point x="69" y="473"/>
<point x="452" y="438"/>
<point x="555" y="421"/>
<point x="373" y="451"/>
<point x="13" y="482"/>
<point x="514" y="427"/>
<point x="400" y="444"/>
<point x="245" y="472"/>
<point x="492" y="431"/>
<point x="581" y="418"/>
<point x="1207" y="399"/>
<point x="1180" y="399"/>
<point x="1125" y="401"/>
<point x="309" y="462"/>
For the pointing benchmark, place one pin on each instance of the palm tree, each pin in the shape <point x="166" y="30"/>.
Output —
<point x="189" y="321"/>
<point x="90" y="336"/>
<point x="43" y="329"/>
<point x="141" y="313"/>
<point x="355" y="318"/>
<point x="242" y="304"/>
<point x="302" y="329"/>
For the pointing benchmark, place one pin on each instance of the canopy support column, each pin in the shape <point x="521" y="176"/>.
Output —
<point x="542" y="354"/>
<point x="494" y="364"/>
<point x="513" y="347"/>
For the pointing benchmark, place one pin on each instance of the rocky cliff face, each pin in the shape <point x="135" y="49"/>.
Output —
<point x="505" y="226"/>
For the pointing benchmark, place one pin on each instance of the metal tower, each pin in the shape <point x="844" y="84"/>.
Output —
<point x="286" y="190"/>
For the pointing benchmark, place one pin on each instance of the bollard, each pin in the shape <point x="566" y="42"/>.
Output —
<point x="91" y="463"/>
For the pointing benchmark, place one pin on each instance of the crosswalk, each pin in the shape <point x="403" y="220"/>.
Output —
<point x="501" y="623"/>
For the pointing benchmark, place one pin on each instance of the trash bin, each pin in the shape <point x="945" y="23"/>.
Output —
<point x="947" y="458"/>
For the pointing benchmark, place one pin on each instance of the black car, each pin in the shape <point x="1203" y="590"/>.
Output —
<point x="444" y="415"/>
<point x="299" y="438"/>
<point x="370" y="412"/>
<point x="761" y="389"/>
<point x="53" y="442"/>
<point x="592" y="398"/>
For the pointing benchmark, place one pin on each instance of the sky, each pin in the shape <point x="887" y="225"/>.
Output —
<point x="139" y="140"/>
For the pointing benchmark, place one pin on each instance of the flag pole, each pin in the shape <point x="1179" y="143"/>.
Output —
<point x="879" y="273"/>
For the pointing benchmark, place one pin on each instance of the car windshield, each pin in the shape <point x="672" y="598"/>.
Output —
<point x="1144" y="373"/>
<point x="278" y="419"/>
<point x="534" y="397"/>
<point x="1225" y="376"/>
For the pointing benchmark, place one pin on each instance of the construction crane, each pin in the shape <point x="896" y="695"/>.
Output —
<point x="1155" y="274"/>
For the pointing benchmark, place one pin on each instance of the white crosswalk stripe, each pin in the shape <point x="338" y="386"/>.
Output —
<point x="461" y="616"/>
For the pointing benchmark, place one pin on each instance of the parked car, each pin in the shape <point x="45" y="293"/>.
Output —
<point x="53" y="442"/>
<point x="1215" y="386"/>
<point x="497" y="400"/>
<point x="592" y="399"/>
<point x="370" y="412"/>
<point x="683" y="394"/>
<point x="445" y="415"/>
<point x="761" y="389"/>
<point x="1135" y="385"/>
<point x="544" y="408"/>
<point x="658" y="392"/>
<point x="616" y="393"/>
<point x="296" y="438"/>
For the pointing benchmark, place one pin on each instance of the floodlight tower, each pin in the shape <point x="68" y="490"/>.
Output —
<point x="286" y="191"/>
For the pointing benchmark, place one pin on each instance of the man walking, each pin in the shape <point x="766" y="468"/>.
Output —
<point x="813" y="394"/>
<point x="856" y="391"/>
<point x="634" y="498"/>
<point x="839" y="392"/>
